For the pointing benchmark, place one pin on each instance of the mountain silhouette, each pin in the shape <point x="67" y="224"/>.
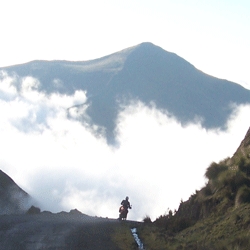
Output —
<point x="144" y="72"/>
<point x="12" y="198"/>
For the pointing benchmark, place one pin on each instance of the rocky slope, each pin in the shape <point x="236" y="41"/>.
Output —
<point x="244" y="148"/>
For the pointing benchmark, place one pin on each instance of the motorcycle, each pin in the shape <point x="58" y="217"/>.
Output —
<point x="123" y="212"/>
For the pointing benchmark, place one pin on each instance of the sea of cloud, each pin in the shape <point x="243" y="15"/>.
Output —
<point x="65" y="163"/>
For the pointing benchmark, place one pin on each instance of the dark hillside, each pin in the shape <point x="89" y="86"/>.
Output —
<point x="144" y="72"/>
<point x="12" y="198"/>
<point x="23" y="228"/>
<point x="215" y="217"/>
<point x="64" y="231"/>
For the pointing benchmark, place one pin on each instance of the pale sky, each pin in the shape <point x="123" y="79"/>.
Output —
<point x="59" y="161"/>
<point x="212" y="35"/>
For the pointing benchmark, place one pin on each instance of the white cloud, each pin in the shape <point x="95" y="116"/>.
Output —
<point x="6" y="87"/>
<point x="64" y="165"/>
<point x="66" y="101"/>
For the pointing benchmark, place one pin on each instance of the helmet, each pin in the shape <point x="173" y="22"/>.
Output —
<point x="127" y="198"/>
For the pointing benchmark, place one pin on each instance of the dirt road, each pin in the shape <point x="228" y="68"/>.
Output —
<point x="64" y="231"/>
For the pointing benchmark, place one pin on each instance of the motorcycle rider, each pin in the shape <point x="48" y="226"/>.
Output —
<point x="126" y="204"/>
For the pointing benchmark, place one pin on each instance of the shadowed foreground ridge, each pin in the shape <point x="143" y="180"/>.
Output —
<point x="27" y="228"/>
<point x="63" y="231"/>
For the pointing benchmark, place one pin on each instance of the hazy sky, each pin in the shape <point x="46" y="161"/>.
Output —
<point x="158" y="162"/>
<point x="212" y="35"/>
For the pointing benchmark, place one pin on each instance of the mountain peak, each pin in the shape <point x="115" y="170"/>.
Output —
<point x="147" y="45"/>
